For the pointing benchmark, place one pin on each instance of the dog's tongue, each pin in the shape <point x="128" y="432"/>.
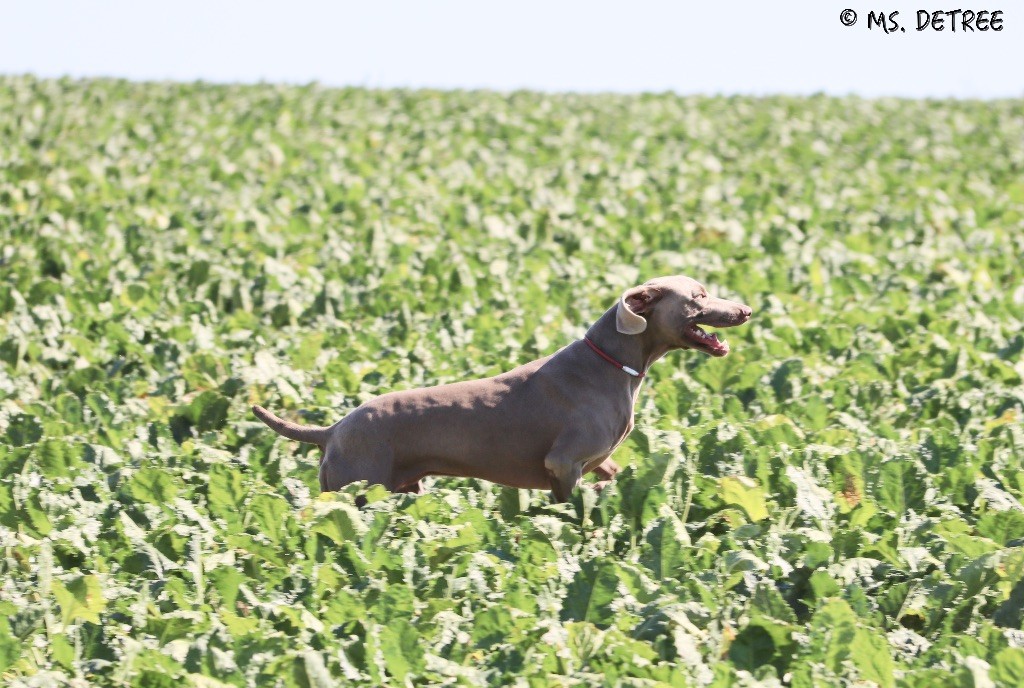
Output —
<point x="710" y="340"/>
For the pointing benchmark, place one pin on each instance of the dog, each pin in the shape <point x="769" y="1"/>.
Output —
<point x="543" y="425"/>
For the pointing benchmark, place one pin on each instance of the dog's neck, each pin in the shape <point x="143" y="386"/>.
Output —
<point x="638" y="351"/>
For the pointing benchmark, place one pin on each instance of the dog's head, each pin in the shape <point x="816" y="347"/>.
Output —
<point x="672" y="310"/>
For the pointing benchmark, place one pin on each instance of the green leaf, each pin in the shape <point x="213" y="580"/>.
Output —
<point x="900" y="487"/>
<point x="271" y="516"/>
<point x="82" y="598"/>
<point x="62" y="651"/>
<point x="752" y="648"/>
<point x="10" y="646"/>
<point x="491" y="626"/>
<point x="153" y="485"/>
<point x="1008" y="667"/>
<point x="305" y="355"/>
<point x="341" y="524"/>
<point x="202" y="370"/>
<point x="208" y="411"/>
<point x="642" y="488"/>
<point x="666" y="546"/>
<point x="56" y="458"/>
<point x="768" y="602"/>
<point x="226" y="491"/>
<point x="589" y="596"/>
<point x="227" y="581"/>
<point x="512" y="502"/>
<point x="23" y="429"/>
<point x="401" y="649"/>
<point x="844" y="644"/>
<point x="746" y="494"/>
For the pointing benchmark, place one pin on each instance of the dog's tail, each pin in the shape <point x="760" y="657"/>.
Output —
<point x="312" y="434"/>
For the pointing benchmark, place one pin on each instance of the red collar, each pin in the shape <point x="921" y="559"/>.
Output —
<point x="624" y="368"/>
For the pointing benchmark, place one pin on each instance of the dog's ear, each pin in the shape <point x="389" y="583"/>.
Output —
<point x="633" y="304"/>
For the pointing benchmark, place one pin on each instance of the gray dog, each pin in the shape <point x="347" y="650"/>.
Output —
<point x="542" y="425"/>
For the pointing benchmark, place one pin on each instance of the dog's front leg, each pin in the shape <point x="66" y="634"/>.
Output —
<point x="605" y="472"/>
<point x="564" y="473"/>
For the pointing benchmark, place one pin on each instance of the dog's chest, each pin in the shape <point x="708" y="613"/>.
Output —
<point x="627" y="430"/>
<point x="622" y="430"/>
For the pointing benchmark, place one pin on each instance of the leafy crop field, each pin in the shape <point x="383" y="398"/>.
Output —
<point x="838" y="502"/>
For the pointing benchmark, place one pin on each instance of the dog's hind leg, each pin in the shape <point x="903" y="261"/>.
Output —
<point x="333" y="475"/>
<point x="338" y="470"/>
<point x="413" y="488"/>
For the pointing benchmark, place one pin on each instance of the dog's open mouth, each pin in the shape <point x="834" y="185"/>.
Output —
<point x="705" y="341"/>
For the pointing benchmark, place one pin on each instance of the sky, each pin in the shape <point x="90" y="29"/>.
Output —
<point x="728" y="47"/>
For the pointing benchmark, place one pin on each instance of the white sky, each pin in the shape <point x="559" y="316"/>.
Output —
<point x="725" y="46"/>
